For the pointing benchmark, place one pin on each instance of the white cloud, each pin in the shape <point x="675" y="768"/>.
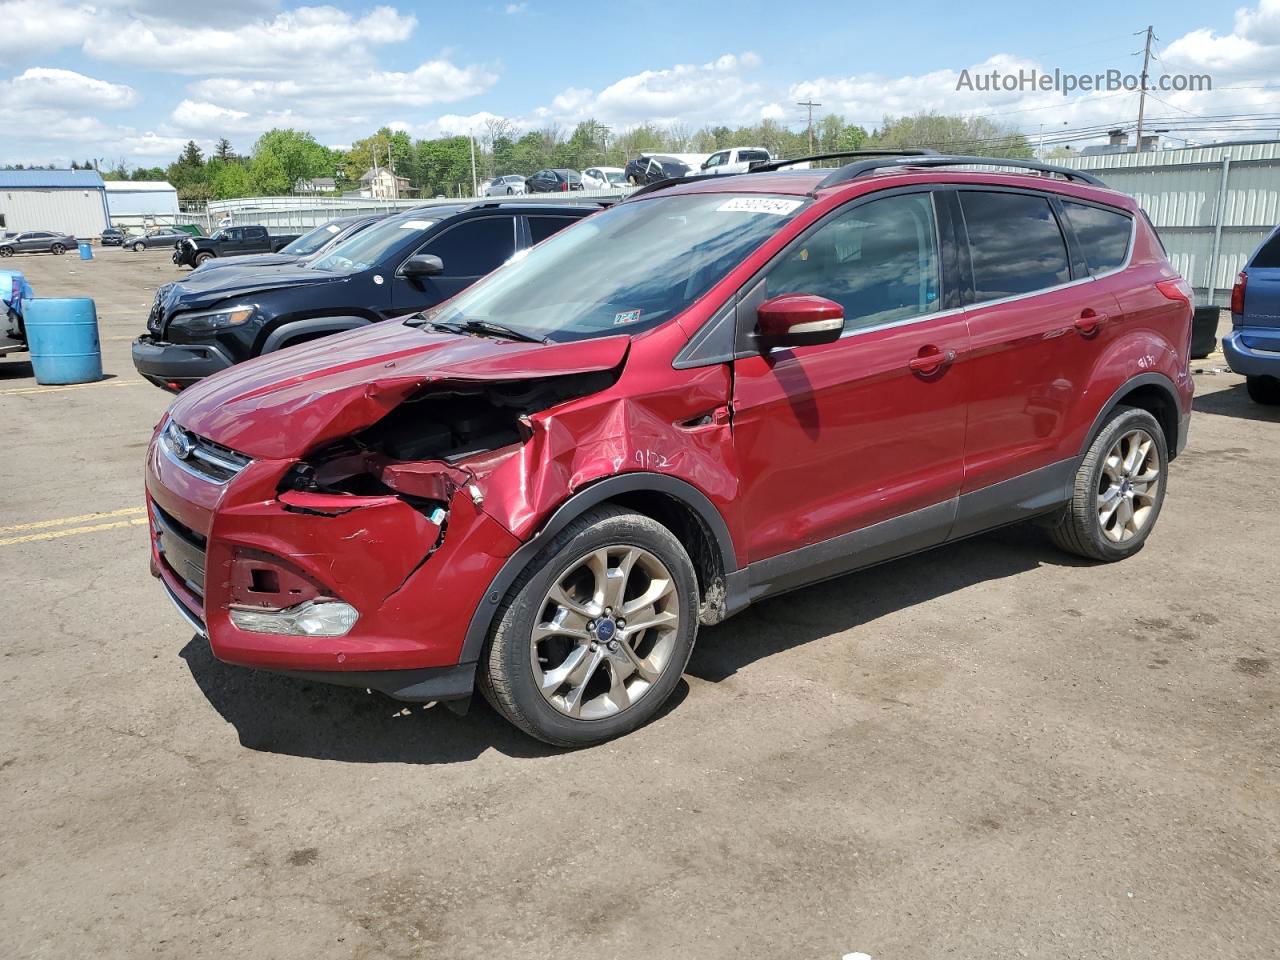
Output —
<point x="308" y="38"/>
<point x="516" y="8"/>
<point x="1253" y="45"/>
<point x="33" y="26"/>
<point x="51" y="87"/>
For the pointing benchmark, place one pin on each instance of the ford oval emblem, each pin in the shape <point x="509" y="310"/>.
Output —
<point x="182" y="445"/>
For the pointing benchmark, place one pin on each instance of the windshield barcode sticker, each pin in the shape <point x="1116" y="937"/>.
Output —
<point x="630" y="316"/>
<point x="758" y="205"/>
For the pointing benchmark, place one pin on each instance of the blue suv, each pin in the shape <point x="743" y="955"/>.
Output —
<point x="1253" y="346"/>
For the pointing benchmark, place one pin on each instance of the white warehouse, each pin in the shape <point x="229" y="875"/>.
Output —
<point x="71" y="201"/>
<point x="141" y="203"/>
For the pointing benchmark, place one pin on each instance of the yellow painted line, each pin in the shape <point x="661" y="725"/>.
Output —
<point x="83" y="518"/>
<point x="22" y="391"/>
<point x="74" y="531"/>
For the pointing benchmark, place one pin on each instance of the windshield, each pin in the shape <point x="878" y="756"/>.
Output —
<point x="368" y="247"/>
<point x="625" y="270"/>
<point x="309" y="243"/>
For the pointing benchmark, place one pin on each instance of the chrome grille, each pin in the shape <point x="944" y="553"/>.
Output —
<point x="199" y="456"/>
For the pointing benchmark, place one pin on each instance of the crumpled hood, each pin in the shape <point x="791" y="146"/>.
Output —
<point x="205" y="289"/>
<point x="283" y="404"/>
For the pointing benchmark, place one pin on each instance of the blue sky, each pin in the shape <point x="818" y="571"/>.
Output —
<point x="134" y="79"/>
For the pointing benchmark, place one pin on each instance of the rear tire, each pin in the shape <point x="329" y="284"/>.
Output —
<point x="561" y="662"/>
<point x="1265" y="390"/>
<point x="1118" y="490"/>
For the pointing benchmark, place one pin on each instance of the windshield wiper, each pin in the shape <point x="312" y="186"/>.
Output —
<point x="486" y="328"/>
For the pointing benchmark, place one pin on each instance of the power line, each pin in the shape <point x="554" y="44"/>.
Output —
<point x="810" y="104"/>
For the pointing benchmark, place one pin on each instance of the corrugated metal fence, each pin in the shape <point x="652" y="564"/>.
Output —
<point x="1211" y="205"/>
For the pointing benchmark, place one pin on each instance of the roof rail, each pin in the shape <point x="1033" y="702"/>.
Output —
<point x="765" y="166"/>
<point x="852" y="171"/>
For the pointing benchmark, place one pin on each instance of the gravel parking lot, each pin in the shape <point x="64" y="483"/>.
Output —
<point x="991" y="750"/>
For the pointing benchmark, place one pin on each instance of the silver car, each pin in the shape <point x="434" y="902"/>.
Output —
<point x="505" y="186"/>
<point x="155" y="237"/>
<point x="37" y="241"/>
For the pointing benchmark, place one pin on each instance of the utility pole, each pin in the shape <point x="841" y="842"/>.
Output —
<point x="475" y="184"/>
<point x="391" y="165"/>
<point x="810" y="104"/>
<point x="1142" y="92"/>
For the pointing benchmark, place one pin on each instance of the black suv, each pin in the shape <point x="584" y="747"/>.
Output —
<point x="404" y="263"/>
<point x="559" y="180"/>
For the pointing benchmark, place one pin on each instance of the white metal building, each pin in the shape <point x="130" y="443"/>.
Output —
<point x="72" y="201"/>
<point x="141" y="203"/>
<point x="1211" y="205"/>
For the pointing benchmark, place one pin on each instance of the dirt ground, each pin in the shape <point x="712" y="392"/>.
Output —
<point x="991" y="750"/>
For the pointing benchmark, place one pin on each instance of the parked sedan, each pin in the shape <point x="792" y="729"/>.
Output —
<point x="156" y="237"/>
<point x="559" y="180"/>
<point x="604" y="178"/>
<point x="37" y="241"/>
<point x="112" y="237"/>
<point x="504" y="186"/>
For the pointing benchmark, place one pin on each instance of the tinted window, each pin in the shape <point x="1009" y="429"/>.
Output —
<point x="1269" y="255"/>
<point x="1014" y="243"/>
<point x="879" y="261"/>
<point x="1103" y="235"/>
<point x="542" y="227"/>
<point x="255" y="233"/>
<point x="476" y="247"/>
<point x="750" y="156"/>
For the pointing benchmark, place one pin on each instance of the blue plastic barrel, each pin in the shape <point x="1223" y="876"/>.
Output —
<point x="86" y="251"/>
<point x="62" y="335"/>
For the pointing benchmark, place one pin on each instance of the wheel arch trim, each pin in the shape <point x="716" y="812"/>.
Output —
<point x="287" y="331"/>
<point x="568" y="511"/>
<point x="1158" y="380"/>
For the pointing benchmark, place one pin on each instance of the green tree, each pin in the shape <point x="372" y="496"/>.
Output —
<point x="230" y="181"/>
<point x="223" y="150"/>
<point x="268" y="176"/>
<point x="295" y="153"/>
<point x="954" y="134"/>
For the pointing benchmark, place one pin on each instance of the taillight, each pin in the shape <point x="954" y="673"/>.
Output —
<point x="1237" y="293"/>
<point x="564" y="186"/>
<point x="1177" y="290"/>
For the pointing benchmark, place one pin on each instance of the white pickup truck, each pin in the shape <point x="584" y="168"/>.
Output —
<point x="735" y="160"/>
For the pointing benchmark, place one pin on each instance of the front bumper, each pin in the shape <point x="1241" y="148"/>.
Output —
<point x="176" y="365"/>
<point x="414" y="583"/>
<point x="1253" y="351"/>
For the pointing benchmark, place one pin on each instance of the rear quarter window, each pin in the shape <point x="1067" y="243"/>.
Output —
<point x="1269" y="254"/>
<point x="1103" y="235"/>
<point x="1015" y="244"/>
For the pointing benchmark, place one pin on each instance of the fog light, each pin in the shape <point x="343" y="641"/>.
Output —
<point x="315" y="618"/>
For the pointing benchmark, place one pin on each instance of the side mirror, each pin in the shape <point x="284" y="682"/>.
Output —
<point x="423" y="265"/>
<point x="798" y="320"/>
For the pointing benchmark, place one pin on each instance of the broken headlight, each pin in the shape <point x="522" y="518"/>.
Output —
<point x="315" y="618"/>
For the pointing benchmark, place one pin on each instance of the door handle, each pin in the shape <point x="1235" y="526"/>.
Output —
<point x="931" y="360"/>
<point x="1090" y="322"/>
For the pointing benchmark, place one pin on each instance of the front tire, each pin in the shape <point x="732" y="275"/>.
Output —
<point x="58" y="249"/>
<point x="1264" y="390"/>
<point x="1118" y="491"/>
<point x="6" y="251"/>
<point x="203" y="258"/>
<point x="591" y="640"/>
<point x="139" y="247"/>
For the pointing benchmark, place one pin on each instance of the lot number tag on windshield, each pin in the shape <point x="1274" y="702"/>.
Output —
<point x="758" y="205"/>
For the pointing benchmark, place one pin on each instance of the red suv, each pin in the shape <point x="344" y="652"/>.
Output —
<point x="714" y="392"/>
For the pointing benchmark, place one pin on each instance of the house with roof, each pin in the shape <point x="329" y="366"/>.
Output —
<point x="382" y="184"/>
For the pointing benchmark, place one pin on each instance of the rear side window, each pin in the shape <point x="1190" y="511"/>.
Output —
<point x="751" y="156"/>
<point x="879" y="261"/>
<point x="1103" y="235"/>
<point x="542" y="227"/>
<point x="476" y="247"/>
<point x="1015" y="244"/>
<point x="1269" y="255"/>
